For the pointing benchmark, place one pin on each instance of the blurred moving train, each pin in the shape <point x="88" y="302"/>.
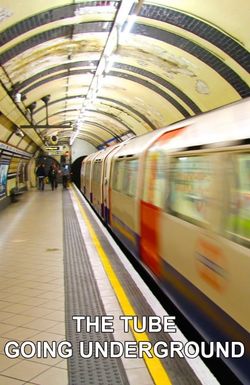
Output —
<point x="179" y="200"/>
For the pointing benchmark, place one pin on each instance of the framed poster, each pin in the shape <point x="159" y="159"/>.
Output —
<point x="3" y="178"/>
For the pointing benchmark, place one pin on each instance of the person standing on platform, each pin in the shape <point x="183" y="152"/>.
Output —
<point x="41" y="174"/>
<point x="53" y="176"/>
<point x="57" y="174"/>
<point x="65" y="175"/>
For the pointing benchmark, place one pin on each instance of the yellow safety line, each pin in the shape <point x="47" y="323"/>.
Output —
<point x="154" y="365"/>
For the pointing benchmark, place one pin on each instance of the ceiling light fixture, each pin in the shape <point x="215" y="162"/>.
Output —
<point x="106" y="61"/>
<point x="18" y="97"/>
<point x="83" y="10"/>
<point x="109" y="64"/>
<point x="129" y="24"/>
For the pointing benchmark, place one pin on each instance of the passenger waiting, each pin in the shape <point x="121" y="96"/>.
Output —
<point x="41" y="174"/>
<point x="65" y="175"/>
<point x="53" y="176"/>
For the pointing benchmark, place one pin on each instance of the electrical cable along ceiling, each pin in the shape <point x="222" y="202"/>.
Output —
<point x="108" y="70"/>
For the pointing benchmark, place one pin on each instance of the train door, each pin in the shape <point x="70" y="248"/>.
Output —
<point x="82" y="176"/>
<point x="89" y="175"/>
<point x="107" y="165"/>
<point x="96" y="183"/>
<point x="105" y="189"/>
<point x="153" y="198"/>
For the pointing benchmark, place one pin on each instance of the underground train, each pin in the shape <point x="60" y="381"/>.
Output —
<point x="179" y="199"/>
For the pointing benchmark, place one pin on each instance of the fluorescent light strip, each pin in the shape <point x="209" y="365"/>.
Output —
<point x="105" y="65"/>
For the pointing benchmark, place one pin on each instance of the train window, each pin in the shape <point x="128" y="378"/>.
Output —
<point x="130" y="177"/>
<point x="190" y="186"/>
<point x="125" y="176"/>
<point x="238" y="220"/>
<point x="155" y="179"/>
<point x="117" y="180"/>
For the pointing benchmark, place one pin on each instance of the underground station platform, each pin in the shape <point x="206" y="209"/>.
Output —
<point x="73" y="310"/>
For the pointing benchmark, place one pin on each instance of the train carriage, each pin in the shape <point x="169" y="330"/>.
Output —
<point x="98" y="185"/>
<point x="195" y="223"/>
<point x="124" y="191"/>
<point x="179" y="200"/>
<point x="86" y="175"/>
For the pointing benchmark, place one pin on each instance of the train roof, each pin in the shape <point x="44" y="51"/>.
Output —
<point x="103" y="153"/>
<point x="139" y="144"/>
<point x="226" y="124"/>
<point x="90" y="157"/>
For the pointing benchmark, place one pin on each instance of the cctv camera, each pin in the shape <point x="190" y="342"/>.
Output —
<point x="18" y="132"/>
<point x="54" y="139"/>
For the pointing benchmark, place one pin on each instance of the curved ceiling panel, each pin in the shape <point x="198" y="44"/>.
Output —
<point x="180" y="58"/>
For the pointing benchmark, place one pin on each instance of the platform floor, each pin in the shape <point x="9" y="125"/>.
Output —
<point x="51" y="268"/>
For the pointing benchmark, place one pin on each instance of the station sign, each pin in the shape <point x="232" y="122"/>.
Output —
<point x="54" y="150"/>
<point x="14" y="150"/>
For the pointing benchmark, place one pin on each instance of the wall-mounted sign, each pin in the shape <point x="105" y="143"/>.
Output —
<point x="54" y="150"/>
<point x="13" y="150"/>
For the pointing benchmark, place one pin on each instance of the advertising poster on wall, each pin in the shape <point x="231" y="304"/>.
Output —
<point x="3" y="178"/>
<point x="21" y="173"/>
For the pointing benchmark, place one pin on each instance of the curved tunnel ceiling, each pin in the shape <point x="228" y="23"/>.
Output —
<point x="180" y="58"/>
